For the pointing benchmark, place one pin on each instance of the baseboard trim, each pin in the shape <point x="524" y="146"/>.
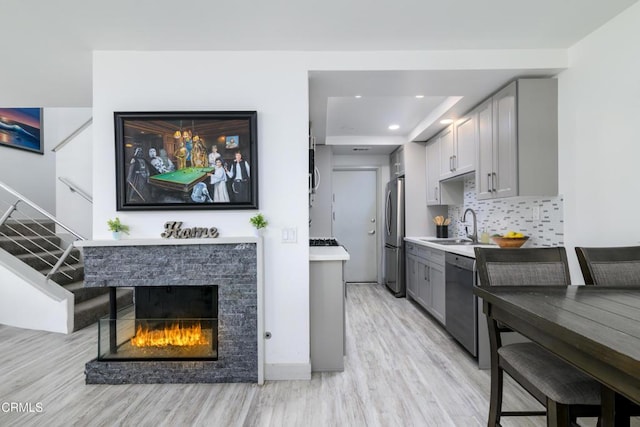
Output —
<point x="287" y="371"/>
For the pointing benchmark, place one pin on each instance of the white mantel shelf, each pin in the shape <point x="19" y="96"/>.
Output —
<point x="166" y="242"/>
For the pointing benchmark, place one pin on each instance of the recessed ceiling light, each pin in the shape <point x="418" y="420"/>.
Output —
<point x="394" y="127"/>
<point x="446" y="121"/>
<point x="419" y="96"/>
<point x="358" y="96"/>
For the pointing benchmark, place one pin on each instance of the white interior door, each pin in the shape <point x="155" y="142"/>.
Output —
<point x="354" y="222"/>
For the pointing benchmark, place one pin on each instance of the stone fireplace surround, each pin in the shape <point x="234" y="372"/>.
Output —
<point x="232" y="264"/>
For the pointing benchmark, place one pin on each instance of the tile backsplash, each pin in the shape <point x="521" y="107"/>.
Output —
<point x="513" y="213"/>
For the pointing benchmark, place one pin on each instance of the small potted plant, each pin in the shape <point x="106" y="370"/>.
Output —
<point x="117" y="227"/>
<point x="259" y="222"/>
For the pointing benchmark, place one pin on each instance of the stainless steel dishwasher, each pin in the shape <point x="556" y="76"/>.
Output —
<point x="461" y="304"/>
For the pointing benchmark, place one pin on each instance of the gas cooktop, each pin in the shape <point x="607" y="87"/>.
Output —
<point x="327" y="241"/>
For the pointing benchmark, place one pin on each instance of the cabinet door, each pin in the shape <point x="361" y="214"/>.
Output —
<point x="438" y="289"/>
<point x="464" y="158"/>
<point x="433" y="172"/>
<point x="505" y="162"/>
<point x="411" y="277"/>
<point x="424" y="287"/>
<point x="484" y="166"/>
<point x="447" y="153"/>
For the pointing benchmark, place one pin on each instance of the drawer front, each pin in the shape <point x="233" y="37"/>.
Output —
<point x="425" y="253"/>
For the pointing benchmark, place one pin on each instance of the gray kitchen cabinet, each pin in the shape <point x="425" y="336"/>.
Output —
<point x="396" y="162"/>
<point x="465" y="134"/>
<point x="440" y="192"/>
<point x="327" y="315"/>
<point x="425" y="279"/>
<point x="447" y="152"/>
<point x="458" y="147"/>
<point x="410" y="274"/>
<point x="518" y="141"/>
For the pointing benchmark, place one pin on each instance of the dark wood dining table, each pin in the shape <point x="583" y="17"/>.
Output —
<point x="595" y="328"/>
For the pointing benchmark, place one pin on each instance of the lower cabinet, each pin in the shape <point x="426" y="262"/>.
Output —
<point x="425" y="278"/>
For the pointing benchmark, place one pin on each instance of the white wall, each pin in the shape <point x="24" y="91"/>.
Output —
<point x="29" y="300"/>
<point x="599" y="138"/>
<point x="416" y="221"/>
<point x="32" y="174"/>
<point x="277" y="90"/>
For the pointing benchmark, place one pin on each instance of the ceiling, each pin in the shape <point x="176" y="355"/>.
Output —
<point x="51" y="43"/>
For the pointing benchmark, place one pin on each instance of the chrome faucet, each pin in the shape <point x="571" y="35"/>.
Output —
<point x="474" y="236"/>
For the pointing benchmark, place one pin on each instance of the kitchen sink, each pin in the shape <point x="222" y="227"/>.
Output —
<point x="448" y="242"/>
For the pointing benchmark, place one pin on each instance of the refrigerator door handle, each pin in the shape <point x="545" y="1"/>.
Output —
<point x="388" y="213"/>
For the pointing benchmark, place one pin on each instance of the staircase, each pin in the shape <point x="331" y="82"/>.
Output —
<point x="42" y="253"/>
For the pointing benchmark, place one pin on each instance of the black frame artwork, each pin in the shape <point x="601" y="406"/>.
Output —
<point x="186" y="160"/>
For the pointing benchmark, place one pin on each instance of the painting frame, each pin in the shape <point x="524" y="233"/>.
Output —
<point x="22" y="128"/>
<point x="167" y="160"/>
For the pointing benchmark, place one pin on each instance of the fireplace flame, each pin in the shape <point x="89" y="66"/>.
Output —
<point x="173" y="335"/>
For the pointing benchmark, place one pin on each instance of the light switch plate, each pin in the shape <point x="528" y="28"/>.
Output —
<point x="535" y="213"/>
<point x="289" y="235"/>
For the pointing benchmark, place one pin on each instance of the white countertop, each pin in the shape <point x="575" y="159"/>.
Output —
<point x="328" y="253"/>
<point x="465" y="250"/>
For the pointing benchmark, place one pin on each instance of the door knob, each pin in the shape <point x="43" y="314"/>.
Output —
<point x="372" y="232"/>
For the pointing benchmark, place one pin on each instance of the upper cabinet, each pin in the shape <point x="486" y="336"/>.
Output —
<point x="517" y="137"/>
<point x="396" y="162"/>
<point x="458" y="147"/>
<point x="465" y="132"/>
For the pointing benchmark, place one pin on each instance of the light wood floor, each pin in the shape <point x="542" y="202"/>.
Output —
<point x="402" y="369"/>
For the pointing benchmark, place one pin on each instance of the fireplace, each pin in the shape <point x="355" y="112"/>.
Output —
<point x="210" y="287"/>
<point x="166" y="323"/>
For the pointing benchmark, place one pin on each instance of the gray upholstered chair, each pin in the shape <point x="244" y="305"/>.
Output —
<point x="566" y="392"/>
<point x="615" y="266"/>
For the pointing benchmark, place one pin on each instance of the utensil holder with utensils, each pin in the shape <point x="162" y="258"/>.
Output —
<point x="442" y="226"/>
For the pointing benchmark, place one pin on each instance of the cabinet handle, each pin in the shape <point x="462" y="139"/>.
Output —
<point x="450" y="163"/>
<point x="455" y="162"/>
<point x="489" y="188"/>
<point x="435" y="192"/>
<point x="493" y="180"/>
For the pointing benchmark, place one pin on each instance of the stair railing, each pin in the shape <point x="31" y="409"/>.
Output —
<point x="24" y="223"/>
<point x="75" y="189"/>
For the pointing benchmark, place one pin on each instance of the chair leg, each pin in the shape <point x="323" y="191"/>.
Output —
<point x="557" y="414"/>
<point x="495" y="404"/>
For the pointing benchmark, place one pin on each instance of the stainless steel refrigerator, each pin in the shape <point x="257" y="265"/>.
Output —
<point x="394" y="237"/>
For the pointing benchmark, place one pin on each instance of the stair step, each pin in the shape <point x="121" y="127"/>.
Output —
<point x="82" y="294"/>
<point x="66" y="274"/>
<point x="28" y="227"/>
<point x="89" y="312"/>
<point x="17" y="245"/>
<point x="46" y="260"/>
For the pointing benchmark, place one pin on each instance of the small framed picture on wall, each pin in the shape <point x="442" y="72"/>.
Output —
<point x="22" y="128"/>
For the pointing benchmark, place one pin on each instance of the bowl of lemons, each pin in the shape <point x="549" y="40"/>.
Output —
<point x="510" y="239"/>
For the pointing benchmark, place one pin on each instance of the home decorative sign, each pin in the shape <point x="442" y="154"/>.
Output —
<point x="22" y="128"/>
<point x="186" y="160"/>
<point x="174" y="229"/>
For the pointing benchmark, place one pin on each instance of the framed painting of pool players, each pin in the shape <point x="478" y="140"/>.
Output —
<point x="22" y="128"/>
<point x="186" y="160"/>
